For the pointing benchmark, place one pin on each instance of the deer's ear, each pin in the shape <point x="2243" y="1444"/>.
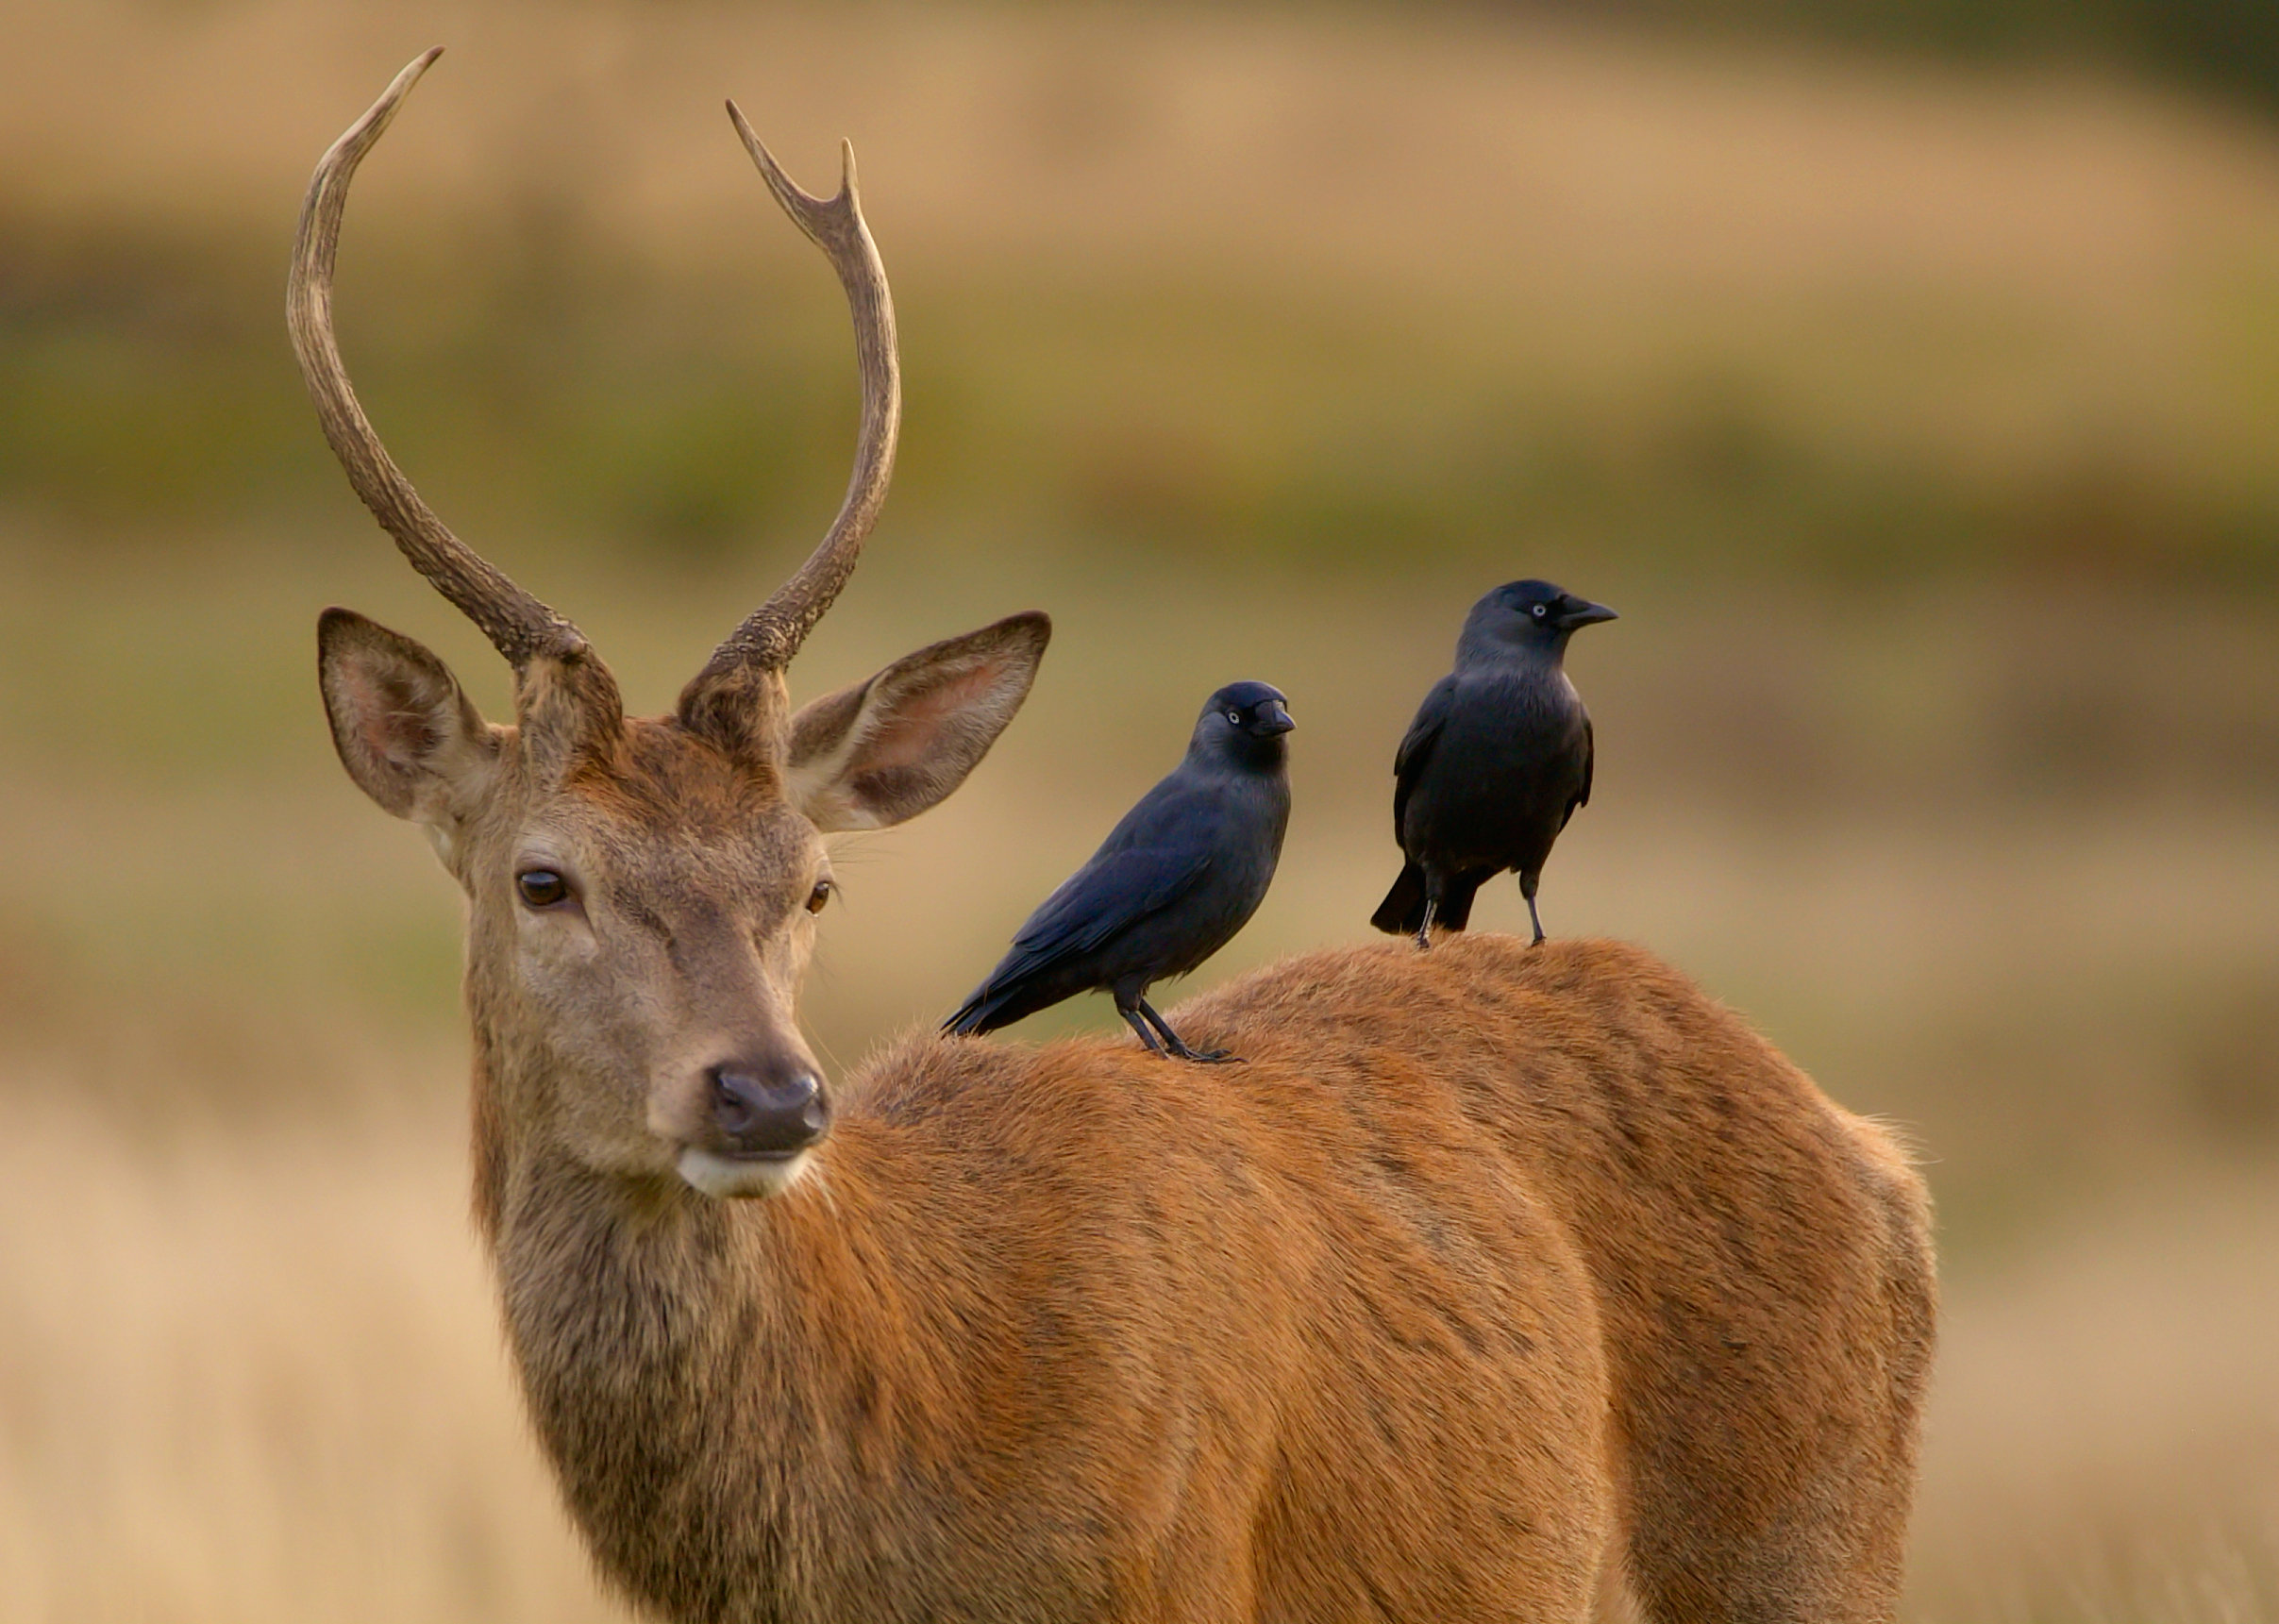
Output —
<point x="406" y="734"/>
<point x="886" y="749"/>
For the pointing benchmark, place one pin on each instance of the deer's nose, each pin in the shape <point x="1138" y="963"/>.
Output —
<point x="767" y="1110"/>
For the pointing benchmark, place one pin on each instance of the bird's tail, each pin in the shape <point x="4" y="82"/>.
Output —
<point x="1456" y="892"/>
<point x="1402" y="908"/>
<point x="973" y="1015"/>
<point x="985" y="1009"/>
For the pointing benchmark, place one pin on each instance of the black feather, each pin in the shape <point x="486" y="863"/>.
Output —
<point x="1172" y="884"/>
<point x="1497" y="758"/>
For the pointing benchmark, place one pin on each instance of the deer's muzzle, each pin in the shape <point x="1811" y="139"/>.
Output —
<point x="760" y="1110"/>
<point x="744" y="1126"/>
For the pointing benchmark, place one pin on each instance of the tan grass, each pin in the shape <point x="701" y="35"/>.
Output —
<point x="248" y="1365"/>
<point x="248" y="1368"/>
<point x="2105" y="1434"/>
<point x="1506" y="151"/>
<point x="255" y="1377"/>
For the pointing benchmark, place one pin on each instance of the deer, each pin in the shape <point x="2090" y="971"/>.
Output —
<point x="1500" y="1283"/>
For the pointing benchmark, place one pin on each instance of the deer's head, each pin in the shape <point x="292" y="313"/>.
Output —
<point x="642" y="890"/>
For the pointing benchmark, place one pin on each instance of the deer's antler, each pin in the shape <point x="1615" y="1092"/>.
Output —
<point x="772" y="634"/>
<point x="522" y="628"/>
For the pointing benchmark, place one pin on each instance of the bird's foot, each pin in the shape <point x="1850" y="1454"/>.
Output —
<point x="1171" y="1044"/>
<point x="1177" y="1051"/>
<point x="1146" y="1038"/>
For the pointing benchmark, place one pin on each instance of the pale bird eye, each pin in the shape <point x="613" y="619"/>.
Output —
<point x="1539" y="611"/>
<point x="817" y="897"/>
<point x="1235" y="718"/>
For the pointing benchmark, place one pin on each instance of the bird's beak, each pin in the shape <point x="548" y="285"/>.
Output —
<point x="1575" y="612"/>
<point x="1272" y="719"/>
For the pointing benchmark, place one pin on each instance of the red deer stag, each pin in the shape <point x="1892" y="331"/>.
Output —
<point x="1498" y="1284"/>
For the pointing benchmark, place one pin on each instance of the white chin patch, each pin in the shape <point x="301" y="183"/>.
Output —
<point x="724" y="1176"/>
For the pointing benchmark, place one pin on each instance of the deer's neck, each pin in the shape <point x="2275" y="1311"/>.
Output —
<point x="622" y="1322"/>
<point x="854" y="1400"/>
<point x="738" y="1399"/>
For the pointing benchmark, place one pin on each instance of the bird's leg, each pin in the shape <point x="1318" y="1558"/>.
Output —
<point x="1172" y="1044"/>
<point x="1424" y="931"/>
<point x="1131" y="1015"/>
<point x="1527" y="889"/>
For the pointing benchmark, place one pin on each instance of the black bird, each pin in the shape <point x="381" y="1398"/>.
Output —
<point x="1496" y="761"/>
<point x="1171" y="885"/>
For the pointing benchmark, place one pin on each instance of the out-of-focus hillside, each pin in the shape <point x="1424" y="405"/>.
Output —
<point x="1925" y="427"/>
<point x="2230" y="46"/>
<point x="1321" y="289"/>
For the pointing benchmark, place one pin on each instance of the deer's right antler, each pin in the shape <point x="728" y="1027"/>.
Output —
<point x="522" y="628"/>
<point x="772" y="633"/>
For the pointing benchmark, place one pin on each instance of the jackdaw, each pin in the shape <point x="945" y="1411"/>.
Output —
<point x="1496" y="761"/>
<point x="1171" y="885"/>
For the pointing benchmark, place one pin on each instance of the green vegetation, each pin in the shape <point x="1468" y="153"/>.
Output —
<point x="1201" y="420"/>
<point x="670" y="422"/>
<point x="2231" y="46"/>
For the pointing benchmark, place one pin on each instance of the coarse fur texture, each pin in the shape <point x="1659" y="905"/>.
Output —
<point x="1498" y="1275"/>
<point x="1495" y="1280"/>
<point x="1492" y="1269"/>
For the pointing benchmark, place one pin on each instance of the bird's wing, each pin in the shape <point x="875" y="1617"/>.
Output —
<point x="1113" y="891"/>
<point x="1161" y="818"/>
<point x="1416" y="745"/>
<point x="1590" y="760"/>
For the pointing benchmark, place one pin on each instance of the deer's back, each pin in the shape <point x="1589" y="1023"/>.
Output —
<point x="1425" y="1306"/>
<point x="1759" y="1258"/>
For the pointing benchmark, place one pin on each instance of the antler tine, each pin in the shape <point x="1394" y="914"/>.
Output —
<point x="772" y="634"/>
<point x="520" y="625"/>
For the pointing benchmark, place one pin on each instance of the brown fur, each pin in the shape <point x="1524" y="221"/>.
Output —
<point x="1496" y="1278"/>
<point x="1492" y="1267"/>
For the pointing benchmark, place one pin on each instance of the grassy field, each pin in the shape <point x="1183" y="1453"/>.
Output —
<point x="1921" y="427"/>
<point x="252" y="1368"/>
<point x="1302" y="286"/>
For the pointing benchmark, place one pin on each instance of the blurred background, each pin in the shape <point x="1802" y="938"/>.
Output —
<point x="1906" y="372"/>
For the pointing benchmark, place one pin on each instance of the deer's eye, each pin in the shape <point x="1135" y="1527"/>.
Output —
<point x="818" y="896"/>
<point x="542" y="887"/>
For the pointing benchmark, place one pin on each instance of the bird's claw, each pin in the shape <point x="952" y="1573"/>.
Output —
<point x="1200" y="1056"/>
